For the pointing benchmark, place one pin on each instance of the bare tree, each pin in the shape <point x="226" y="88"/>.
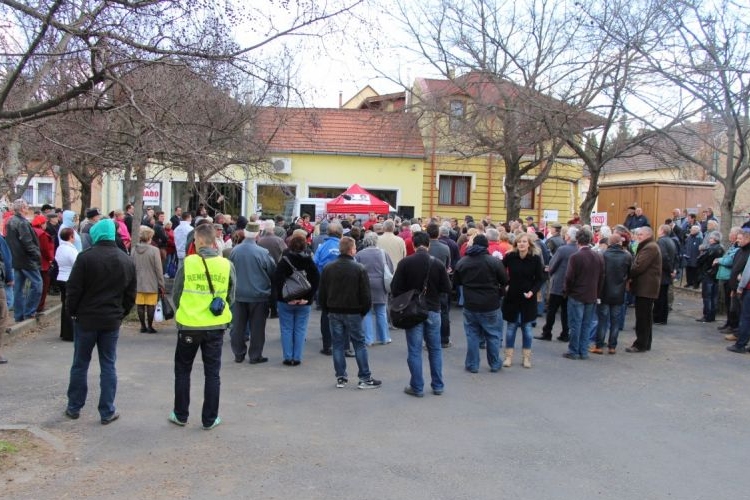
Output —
<point x="518" y="62"/>
<point x="59" y="57"/>
<point x="705" y="57"/>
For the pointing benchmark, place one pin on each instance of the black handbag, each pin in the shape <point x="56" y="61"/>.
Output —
<point x="410" y="308"/>
<point x="167" y="307"/>
<point x="296" y="286"/>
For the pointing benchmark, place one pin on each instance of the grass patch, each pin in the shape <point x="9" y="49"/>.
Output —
<point x="7" y="447"/>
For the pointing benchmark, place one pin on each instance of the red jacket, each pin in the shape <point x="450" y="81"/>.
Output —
<point x="46" y="248"/>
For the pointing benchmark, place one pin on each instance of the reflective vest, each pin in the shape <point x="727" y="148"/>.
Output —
<point x="196" y="295"/>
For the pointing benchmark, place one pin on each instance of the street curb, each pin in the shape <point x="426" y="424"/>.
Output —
<point x="42" y="320"/>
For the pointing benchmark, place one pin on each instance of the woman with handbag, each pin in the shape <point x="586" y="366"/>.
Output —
<point x="525" y="277"/>
<point x="294" y="312"/>
<point x="379" y="268"/>
<point x="65" y="256"/>
<point x="150" y="278"/>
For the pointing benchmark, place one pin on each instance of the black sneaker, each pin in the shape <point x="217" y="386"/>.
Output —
<point x="370" y="383"/>
<point x="341" y="382"/>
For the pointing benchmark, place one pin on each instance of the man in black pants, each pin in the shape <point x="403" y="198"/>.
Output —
<point x="558" y="266"/>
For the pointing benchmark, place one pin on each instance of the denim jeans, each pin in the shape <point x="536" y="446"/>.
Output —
<point x="345" y="327"/>
<point x="542" y="298"/>
<point x="25" y="304"/>
<point x="609" y="319"/>
<point x="293" y="325"/>
<point x="210" y="343"/>
<point x="480" y="326"/>
<point x="579" y="325"/>
<point x="510" y="333"/>
<point x="83" y="345"/>
<point x="710" y="294"/>
<point x="428" y="331"/>
<point x="378" y="311"/>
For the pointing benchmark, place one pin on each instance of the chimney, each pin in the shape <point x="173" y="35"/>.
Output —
<point x="341" y="99"/>
<point x="451" y="73"/>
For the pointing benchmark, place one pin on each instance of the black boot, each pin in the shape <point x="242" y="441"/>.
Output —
<point x="142" y="318"/>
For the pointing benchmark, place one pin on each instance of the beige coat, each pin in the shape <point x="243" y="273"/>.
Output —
<point x="148" y="270"/>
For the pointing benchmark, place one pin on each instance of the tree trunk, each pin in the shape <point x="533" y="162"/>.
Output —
<point x="587" y="205"/>
<point x="128" y="184"/>
<point x="727" y="210"/>
<point x="138" y="185"/>
<point x="65" y="188"/>
<point x="85" y="195"/>
<point x="512" y="197"/>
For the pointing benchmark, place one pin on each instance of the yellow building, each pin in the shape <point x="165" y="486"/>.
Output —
<point x="460" y="176"/>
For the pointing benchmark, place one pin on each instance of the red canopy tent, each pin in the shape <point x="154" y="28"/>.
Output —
<point x="357" y="200"/>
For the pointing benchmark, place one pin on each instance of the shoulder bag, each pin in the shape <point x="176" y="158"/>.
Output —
<point x="296" y="285"/>
<point x="410" y="308"/>
<point x="387" y="273"/>
<point x="217" y="303"/>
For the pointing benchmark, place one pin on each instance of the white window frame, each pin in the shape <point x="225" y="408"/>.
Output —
<point x="34" y="187"/>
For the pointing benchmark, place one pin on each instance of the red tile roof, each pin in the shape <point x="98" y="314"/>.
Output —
<point x="341" y="131"/>
<point x="488" y="90"/>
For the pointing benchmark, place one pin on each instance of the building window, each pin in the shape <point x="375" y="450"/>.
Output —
<point x="39" y="191"/>
<point x="456" y="115"/>
<point x="45" y="193"/>
<point x="527" y="200"/>
<point x="454" y="190"/>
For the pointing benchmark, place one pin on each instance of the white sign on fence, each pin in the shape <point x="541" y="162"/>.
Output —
<point x="152" y="193"/>
<point x="550" y="216"/>
<point x="598" y="218"/>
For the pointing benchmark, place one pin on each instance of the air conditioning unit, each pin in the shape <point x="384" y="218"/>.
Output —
<point x="281" y="165"/>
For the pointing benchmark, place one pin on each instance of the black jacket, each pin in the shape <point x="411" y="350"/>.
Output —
<point x="740" y="259"/>
<point x="410" y="275"/>
<point x="706" y="267"/>
<point x="617" y="262"/>
<point x="668" y="258"/>
<point x="483" y="278"/>
<point x="303" y="262"/>
<point x="345" y="287"/>
<point x="23" y="243"/>
<point x="101" y="287"/>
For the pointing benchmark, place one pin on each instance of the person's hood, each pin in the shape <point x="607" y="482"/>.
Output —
<point x="476" y="250"/>
<point x="141" y="248"/>
<point x="104" y="230"/>
<point x="67" y="218"/>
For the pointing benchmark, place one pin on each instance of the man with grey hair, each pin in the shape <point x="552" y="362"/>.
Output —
<point x="26" y="256"/>
<point x="445" y="237"/>
<point x="669" y="262"/>
<point x="394" y="246"/>
<point x="254" y="268"/>
<point x="275" y="247"/>
<point x="558" y="267"/>
<point x="707" y="271"/>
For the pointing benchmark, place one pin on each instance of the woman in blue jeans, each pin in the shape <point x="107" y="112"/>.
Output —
<point x="525" y="277"/>
<point x="294" y="314"/>
<point x="377" y="263"/>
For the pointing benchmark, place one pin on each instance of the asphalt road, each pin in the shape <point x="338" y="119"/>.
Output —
<point x="667" y="424"/>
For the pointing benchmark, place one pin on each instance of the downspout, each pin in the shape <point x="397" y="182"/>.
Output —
<point x="489" y="184"/>
<point x="539" y="210"/>
<point x="432" y="172"/>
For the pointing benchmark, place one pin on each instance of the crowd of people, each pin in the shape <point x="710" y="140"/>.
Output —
<point x="231" y="274"/>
